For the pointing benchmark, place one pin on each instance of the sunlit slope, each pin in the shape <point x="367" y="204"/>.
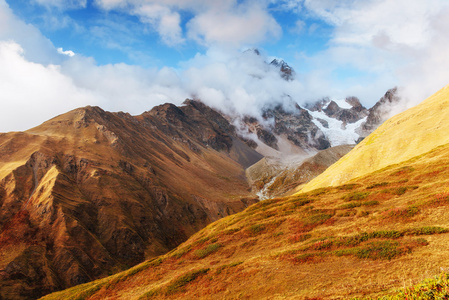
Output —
<point x="90" y="193"/>
<point x="382" y="232"/>
<point x="411" y="133"/>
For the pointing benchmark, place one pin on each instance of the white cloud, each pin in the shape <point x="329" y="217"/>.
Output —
<point x="247" y="23"/>
<point x="36" y="47"/>
<point x="165" y="21"/>
<point x="388" y="42"/>
<point x="368" y="36"/>
<point x="240" y="83"/>
<point x="230" y="22"/>
<point x="31" y="92"/>
<point x="66" y="52"/>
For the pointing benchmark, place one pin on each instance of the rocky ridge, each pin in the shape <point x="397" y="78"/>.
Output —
<point x="89" y="193"/>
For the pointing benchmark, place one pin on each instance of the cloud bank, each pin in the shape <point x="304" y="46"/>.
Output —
<point x="395" y="42"/>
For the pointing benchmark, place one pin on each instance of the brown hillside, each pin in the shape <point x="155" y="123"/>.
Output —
<point x="90" y="193"/>
<point x="369" y="237"/>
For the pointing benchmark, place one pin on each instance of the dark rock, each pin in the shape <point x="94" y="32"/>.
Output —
<point x="379" y="113"/>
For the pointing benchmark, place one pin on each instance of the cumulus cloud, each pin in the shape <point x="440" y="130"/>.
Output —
<point x="36" y="47"/>
<point x="243" y="83"/>
<point x="403" y="41"/>
<point x="375" y="38"/>
<point x="32" y="92"/>
<point x="165" y="21"/>
<point x="230" y="22"/>
<point x="247" y="23"/>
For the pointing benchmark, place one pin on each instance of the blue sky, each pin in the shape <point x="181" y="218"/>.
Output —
<point x="118" y="36"/>
<point x="130" y="55"/>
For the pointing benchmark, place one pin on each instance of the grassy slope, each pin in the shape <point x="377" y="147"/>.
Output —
<point x="366" y="238"/>
<point x="413" y="132"/>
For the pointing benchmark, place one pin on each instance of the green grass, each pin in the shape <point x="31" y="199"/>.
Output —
<point x="406" y="212"/>
<point x="209" y="249"/>
<point x="177" y="285"/>
<point x="385" y="244"/>
<point x="183" y="280"/>
<point x="379" y="250"/>
<point x="224" y="267"/>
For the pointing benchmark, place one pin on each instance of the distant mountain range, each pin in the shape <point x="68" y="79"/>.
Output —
<point x="90" y="193"/>
<point x="375" y="222"/>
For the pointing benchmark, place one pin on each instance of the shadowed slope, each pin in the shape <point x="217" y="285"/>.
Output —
<point x="89" y="193"/>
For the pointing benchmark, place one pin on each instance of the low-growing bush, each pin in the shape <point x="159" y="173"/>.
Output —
<point x="348" y="187"/>
<point x="257" y="228"/>
<point x="379" y="250"/>
<point x="435" y="288"/>
<point x="370" y="203"/>
<point x="399" y="191"/>
<point x="398" y="212"/>
<point x="427" y="230"/>
<point x="402" y="171"/>
<point x="356" y="196"/>
<point x="202" y="253"/>
<point x="183" y="280"/>
<point x="376" y="185"/>
<point x="296" y="238"/>
<point x="304" y="258"/>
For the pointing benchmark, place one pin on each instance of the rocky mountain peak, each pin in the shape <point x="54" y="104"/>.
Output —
<point x="380" y="112"/>
<point x="355" y="103"/>
<point x="286" y="71"/>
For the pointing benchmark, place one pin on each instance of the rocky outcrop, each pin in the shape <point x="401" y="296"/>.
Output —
<point x="380" y="112"/>
<point x="294" y="125"/>
<point x="285" y="70"/>
<point x="90" y="193"/>
<point x="353" y="114"/>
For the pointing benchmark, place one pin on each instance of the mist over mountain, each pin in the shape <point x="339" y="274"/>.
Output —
<point x="375" y="222"/>
<point x="191" y="149"/>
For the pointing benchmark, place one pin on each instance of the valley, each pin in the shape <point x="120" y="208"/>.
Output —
<point x="367" y="238"/>
<point x="91" y="193"/>
<point x="228" y="149"/>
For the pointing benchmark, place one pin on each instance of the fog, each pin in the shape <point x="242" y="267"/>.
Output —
<point x="389" y="43"/>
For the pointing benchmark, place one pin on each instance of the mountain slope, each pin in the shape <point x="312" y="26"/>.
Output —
<point x="365" y="239"/>
<point x="402" y="137"/>
<point x="272" y="177"/>
<point x="90" y="193"/>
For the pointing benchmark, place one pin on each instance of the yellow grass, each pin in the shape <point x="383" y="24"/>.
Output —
<point x="404" y="136"/>
<point x="367" y="238"/>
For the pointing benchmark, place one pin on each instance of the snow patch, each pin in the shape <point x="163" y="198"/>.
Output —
<point x="340" y="102"/>
<point x="338" y="133"/>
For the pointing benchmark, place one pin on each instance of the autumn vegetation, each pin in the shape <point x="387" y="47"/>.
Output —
<point x="380" y="235"/>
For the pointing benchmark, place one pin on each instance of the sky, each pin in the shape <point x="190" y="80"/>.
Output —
<point x="130" y="55"/>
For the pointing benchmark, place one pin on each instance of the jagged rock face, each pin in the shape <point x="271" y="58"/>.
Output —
<point x="309" y="132"/>
<point x="379" y="113"/>
<point x="333" y="110"/>
<point x="298" y="127"/>
<point x="286" y="71"/>
<point x="90" y="193"/>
